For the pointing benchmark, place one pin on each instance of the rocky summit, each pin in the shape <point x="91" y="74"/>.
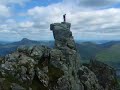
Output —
<point x="70" y="62"/>
<point x="58" y="68"/>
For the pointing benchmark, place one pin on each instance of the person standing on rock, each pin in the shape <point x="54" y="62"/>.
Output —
<point x="64" y="17"/>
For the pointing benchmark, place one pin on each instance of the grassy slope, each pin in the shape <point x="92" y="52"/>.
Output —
<point x="111" y="54"/>
<point x="88" y="50"/>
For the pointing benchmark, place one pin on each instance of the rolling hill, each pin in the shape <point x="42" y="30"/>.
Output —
<point x="110" y="55"/>
<point x="109" y="44"/>
<point x="88" y="50"/>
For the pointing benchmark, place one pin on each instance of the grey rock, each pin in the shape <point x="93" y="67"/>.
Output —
<point x="63" y="35"/>
<point x="43" y="77"/>
<point x="106" y="75"/>
<point x="22" y="63"/>
<point x="15" y="86"/>
<point x="67" y="56"/>
<point x="63" y="84"/>
<point x="88" y="79"/>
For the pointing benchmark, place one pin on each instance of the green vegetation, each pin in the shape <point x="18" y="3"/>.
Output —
<point x="6" y="85"/>
<point x="9" y="79"/>
<point x="111" y="54"/>
<point x="88" y="50"/>
<point x="119" y="80"/>
<point x="54" y="73"/>
<point x="35" y="85"/>
<point x="118" y="83"/>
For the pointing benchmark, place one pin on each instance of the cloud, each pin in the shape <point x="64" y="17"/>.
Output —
<point x="12" y="2"/>
<point x="4" y="11"/>
<point x="102" y="23"/>
<point x="26" y="24"/>
<point x="6" y="7"/>
<point x="93" y="3"/>
<point x="86" y="23"/>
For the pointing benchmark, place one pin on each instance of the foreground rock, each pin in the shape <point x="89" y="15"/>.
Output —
<point x="43" y="68"/>
<point x="25" y="65"/>
<point x="105" y="74"/>
<point x="15" y="86"/>
<point x="89" y="79"/>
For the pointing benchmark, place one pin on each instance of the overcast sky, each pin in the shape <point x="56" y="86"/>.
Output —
<point x="90" y="19"/>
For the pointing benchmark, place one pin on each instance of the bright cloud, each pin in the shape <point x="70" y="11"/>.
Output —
<point x="26" y="24"/>
<point x="4" y="11"/>
<point x="88" y="20"/>
<point x="94" y="24"/>
<point x="92" y="3"/>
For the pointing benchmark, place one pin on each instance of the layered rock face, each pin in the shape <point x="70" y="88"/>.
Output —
<point x="43" y="68"/>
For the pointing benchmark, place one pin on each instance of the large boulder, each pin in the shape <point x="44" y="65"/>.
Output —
<point x="63" y="35"/>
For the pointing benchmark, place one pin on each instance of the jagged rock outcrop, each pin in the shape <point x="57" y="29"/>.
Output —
<point x="105" y="74"/>
<point x="43" y="68"/>
<point x="88" y="79"/>
<point x="65" y="57"/>
<point x="69" y="59"/>
<point x="25" y="64"/>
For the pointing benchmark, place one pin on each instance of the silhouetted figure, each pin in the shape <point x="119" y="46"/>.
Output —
<point x="64" y="17"/>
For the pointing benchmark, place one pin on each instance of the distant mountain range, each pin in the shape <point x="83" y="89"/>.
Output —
<point x="108" y="52"/>
<point x="4" y="42"/>
<point x="104" y="51"/>
<point x="110" y="43"/>
<point x="7" y="48"/>
<point x="88" y="50"/>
